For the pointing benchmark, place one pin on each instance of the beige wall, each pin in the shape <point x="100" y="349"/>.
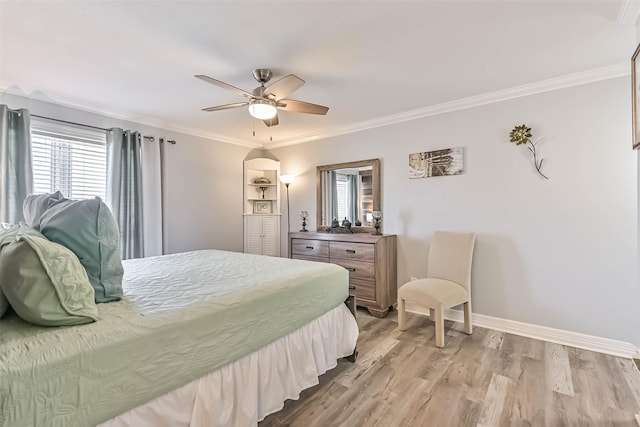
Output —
<point x="561" y="253"/>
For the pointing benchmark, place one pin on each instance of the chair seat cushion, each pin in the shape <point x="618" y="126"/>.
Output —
<point x="432" y="292"/>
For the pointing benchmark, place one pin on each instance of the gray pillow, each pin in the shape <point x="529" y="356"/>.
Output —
<point x="45" y="283"/>
<point x="88" y="228"/>
<point x="36" y="204"/>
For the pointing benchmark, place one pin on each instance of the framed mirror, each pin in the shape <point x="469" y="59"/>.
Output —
<point x="348" y="190"/>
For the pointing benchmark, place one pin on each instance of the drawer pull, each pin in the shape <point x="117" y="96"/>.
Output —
<point x="309" y="247"/>
<point x="351" y="251"/>
<point x="351" y="269"/>
<point x="352" y="288"/>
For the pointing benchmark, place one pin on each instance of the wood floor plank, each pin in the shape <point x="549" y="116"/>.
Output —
<point x="498" y="402"/>
<point x="367" y="360"/>
<point x="558" y="371"/>
<point x="531" y="388"/>
<point x="494" y="340"/>
<point x="487" y="378"/>
<point x="631" y="377"/>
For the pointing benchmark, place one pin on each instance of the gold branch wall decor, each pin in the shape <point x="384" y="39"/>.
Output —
<point x="522" y="135"/>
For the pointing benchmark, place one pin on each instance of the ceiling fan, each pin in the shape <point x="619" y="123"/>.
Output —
<point x="264" y="102"/>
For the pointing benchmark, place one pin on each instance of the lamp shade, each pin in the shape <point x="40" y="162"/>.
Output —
<point x="287" y="179"/>
<point x="262" y="109"/>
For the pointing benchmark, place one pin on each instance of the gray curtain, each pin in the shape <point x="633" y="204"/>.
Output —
<point x="124" y="189"/>
<point x="352" y="198"/>
<point x="16" y="173"/>
<point x="329" y="197"/>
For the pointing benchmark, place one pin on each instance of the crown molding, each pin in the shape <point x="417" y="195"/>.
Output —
<point x="147" y="121"/>
<point x="570" y="80"/>
<point x="628" y="13"/>
<point x="558" y="336"/>
<point x="562" y="82"/>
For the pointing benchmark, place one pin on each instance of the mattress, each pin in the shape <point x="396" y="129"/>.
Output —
<point x="182" y="316"/>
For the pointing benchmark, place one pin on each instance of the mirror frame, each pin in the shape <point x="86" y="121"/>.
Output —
<point x="375" y="177"/>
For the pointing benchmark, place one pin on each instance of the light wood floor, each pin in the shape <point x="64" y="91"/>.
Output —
<point x="487" y="379"/>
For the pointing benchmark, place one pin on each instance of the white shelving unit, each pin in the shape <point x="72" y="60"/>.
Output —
<point x="262" y="207"/>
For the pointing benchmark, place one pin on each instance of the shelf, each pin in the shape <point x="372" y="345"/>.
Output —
<point x="262" y="185"/>
<point x="261" y="199"/>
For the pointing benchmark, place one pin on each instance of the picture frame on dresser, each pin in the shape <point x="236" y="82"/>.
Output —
<point x="262" y="207"/>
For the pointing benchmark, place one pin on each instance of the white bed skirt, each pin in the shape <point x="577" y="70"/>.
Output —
<point x="247" y="390"/>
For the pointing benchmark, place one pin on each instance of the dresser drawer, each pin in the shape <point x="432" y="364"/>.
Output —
<point x="354" y="251"/>
<point x="357" y="269"/>
<point x="308" y="247"/>
<point x="310" y="258"/>
<point x="364" y="289"/>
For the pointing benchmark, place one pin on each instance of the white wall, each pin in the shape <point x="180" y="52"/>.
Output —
<point x="561" y="253"/>
<point x="203" y="194"/>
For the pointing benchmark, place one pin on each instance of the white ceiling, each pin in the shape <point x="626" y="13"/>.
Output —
<point x="365" y="60"/>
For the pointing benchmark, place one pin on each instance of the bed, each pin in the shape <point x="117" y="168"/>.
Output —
<point x="201" y="338"/>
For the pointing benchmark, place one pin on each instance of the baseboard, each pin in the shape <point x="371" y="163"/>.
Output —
<point x="558" y="336"/>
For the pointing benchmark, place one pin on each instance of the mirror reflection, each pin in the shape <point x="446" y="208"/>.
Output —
<point x="347" y="193"/>
<point x="348" y="190"/>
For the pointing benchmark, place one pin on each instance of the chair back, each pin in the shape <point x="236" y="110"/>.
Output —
<point x="450" y="257"/>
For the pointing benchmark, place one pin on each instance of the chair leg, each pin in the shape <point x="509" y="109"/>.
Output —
<point x="439" y="319"/>
<point x="402" y="317"/>
<point x="468" y="327"/>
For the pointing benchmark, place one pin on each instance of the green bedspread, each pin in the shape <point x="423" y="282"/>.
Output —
<point x="182" y="316"/>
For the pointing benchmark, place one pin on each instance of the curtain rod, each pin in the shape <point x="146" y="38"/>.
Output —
<point x="150" y="138"/>
<point x="70" y="123"/>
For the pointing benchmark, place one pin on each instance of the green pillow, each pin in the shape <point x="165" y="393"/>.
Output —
<point x="36" y="204"/>
<point x="88" y="228"/>
<point x="45" y="283"/>
<point x="8" y="235"/>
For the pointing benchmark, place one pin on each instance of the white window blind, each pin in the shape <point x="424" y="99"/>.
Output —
<point x="69" y="159"/>
<point x="341" y="187"/>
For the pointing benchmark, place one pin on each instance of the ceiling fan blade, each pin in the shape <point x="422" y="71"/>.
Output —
<point x="284" y="86"/>
<point x="224" y="85"/>
<point x="301" y="107"/>
<point x="272" y="122"/>
<point x="226" y="106"/>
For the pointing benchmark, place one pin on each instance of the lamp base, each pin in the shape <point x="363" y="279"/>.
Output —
<point x="377" y="227"/>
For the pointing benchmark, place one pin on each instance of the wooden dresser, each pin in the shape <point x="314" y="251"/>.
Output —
<point x="371" y="261"/>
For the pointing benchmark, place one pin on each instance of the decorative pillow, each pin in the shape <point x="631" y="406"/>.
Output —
<point x="88" y="228"/>
<point x="8" y="234"/>
<point x="36" y="204"/>
<point x="45" y="283"/>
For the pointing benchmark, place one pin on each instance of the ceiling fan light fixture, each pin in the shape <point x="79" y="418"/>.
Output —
<point x="262" y="109"/>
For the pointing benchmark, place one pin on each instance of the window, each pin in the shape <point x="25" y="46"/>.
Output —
<point x="342" y="190"/>
<point x="69" y="159"/>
